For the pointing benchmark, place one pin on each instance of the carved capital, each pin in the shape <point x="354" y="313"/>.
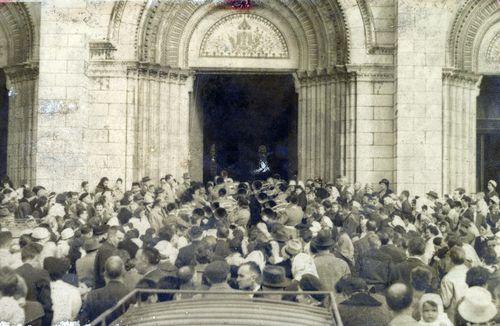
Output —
<point x="22" y="72"/>
<point x="372" y="72"/>
<point x="465" y="78"/>
<point x="101" y="50"/>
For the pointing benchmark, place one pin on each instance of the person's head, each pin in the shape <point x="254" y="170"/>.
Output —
<point x="421" y="279"/>
<point x="5" y="239"/>
<point x="416" y="246"/>
<point x="457" y="255"/>
<point x="114" y="268"/>
<point x="430" y="306"/>
<point x="249" y="274"/>
<point x="115" y="235"/>
<point x="147" y="259"/>
<point x="477" y="276"/>
<point x="85" y="186"/>
<point x="119" y="182"/>
<point x="104" y="182"/>
<point x="492" y="185"/>
<point x="8" y="281"/>
<point x="399" y="297"/>
<point x="31" y="254"/>
<point x="216" y="272"/>
<point x="405" y="194"/>
<point x="57" y="267"/>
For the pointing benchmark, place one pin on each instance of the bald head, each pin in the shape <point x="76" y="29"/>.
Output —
<point x="114" y="267"/>
<point x="399" y="296"/>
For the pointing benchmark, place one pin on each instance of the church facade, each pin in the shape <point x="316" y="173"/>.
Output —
<point x="396" y="89"/>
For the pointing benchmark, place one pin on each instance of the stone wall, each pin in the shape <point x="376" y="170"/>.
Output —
<point x="420" y="57"/>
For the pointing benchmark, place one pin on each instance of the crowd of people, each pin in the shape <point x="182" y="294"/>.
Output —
<point x="389" y="259"/>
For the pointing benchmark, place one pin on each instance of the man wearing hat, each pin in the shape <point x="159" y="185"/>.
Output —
<point x="85" y="264"/>
<point x="360" y="306"/>
<point x="274" y="279"/>
<point x="217" y="274"/>
<point x="330" y="268"/>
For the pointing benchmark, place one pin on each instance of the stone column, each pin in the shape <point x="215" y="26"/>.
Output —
<point x="161" y="120"/>
<point x="22" y="82"/>
<point x="460" y="90"/>
<point x="325" y="123"/>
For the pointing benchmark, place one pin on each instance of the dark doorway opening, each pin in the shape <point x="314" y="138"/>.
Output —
<point x="4" y="123"/>
<point x="242" y="112"/>
<point x="488" y="132"/>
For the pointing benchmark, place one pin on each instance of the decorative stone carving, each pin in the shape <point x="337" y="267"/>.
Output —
<point x="493" y="51"/>
<point x="246" y="36"/>
<point x="101" y="50"/>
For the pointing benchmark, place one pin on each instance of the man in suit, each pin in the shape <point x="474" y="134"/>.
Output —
<point x="102" y="299"/>
<point x="186" y="254"/>
<point x="107" y="249"/>
<point x="416" y="251"/>
<point x="37" y="279"/>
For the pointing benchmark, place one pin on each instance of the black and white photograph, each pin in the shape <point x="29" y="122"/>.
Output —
<point x="250" y="162"/>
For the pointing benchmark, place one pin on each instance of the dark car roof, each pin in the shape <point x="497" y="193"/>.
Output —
<point x="226" y="311"/>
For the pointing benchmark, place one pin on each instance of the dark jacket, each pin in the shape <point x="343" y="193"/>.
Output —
<point x="404" y="271"/>
<point x="397" y="255"/>
<point x="363" y="309"/>
<point x="186" y="255"/>
<point x="105" y="251"/>
<point x="38" y="284"/>
<point x="377" y="269"/>
<point x="101" y="300"/>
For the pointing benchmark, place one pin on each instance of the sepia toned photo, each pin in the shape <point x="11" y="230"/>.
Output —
<point x="250" y="162"/>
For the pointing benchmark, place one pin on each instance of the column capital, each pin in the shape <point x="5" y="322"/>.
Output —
<point x="21" y="72"/>
<point x="372" y="72"/>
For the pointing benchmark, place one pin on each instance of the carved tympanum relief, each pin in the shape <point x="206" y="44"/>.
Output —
<point x="244" y="36"/>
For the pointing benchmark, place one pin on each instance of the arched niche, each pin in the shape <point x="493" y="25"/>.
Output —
<point x="472" y="40"/>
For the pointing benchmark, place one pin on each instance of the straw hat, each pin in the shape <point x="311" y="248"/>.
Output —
<point x="477" y="305"/>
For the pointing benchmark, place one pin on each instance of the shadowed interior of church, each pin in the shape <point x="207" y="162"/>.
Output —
<point x="243" y="112"/>
<point x="4" y="119"/>
<point x="488" y="131"/>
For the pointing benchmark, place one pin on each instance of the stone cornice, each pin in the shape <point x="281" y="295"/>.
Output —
<point x="372" y="72"/>
<point x="322" y="74"/>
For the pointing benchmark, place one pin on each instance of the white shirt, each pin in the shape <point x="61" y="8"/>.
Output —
<point x="66" y="301"/>
<point x="10" y="311"/>
<point x="9" y="259"/>
<point x="453" y="287"/>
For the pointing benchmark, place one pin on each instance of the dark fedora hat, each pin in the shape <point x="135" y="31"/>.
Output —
<point x="385" y="181"/>
<point x="274" y="277"/>
<point x="91" y="245"/>
<point x="323" y="240"/>
<point x="432" y="194"/>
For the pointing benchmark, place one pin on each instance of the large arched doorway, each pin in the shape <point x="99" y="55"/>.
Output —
<point x="470" y="115"/>
<point x="245" y="113"/>
<point x="178" y="44"/>
<point x="488" y="131"/>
